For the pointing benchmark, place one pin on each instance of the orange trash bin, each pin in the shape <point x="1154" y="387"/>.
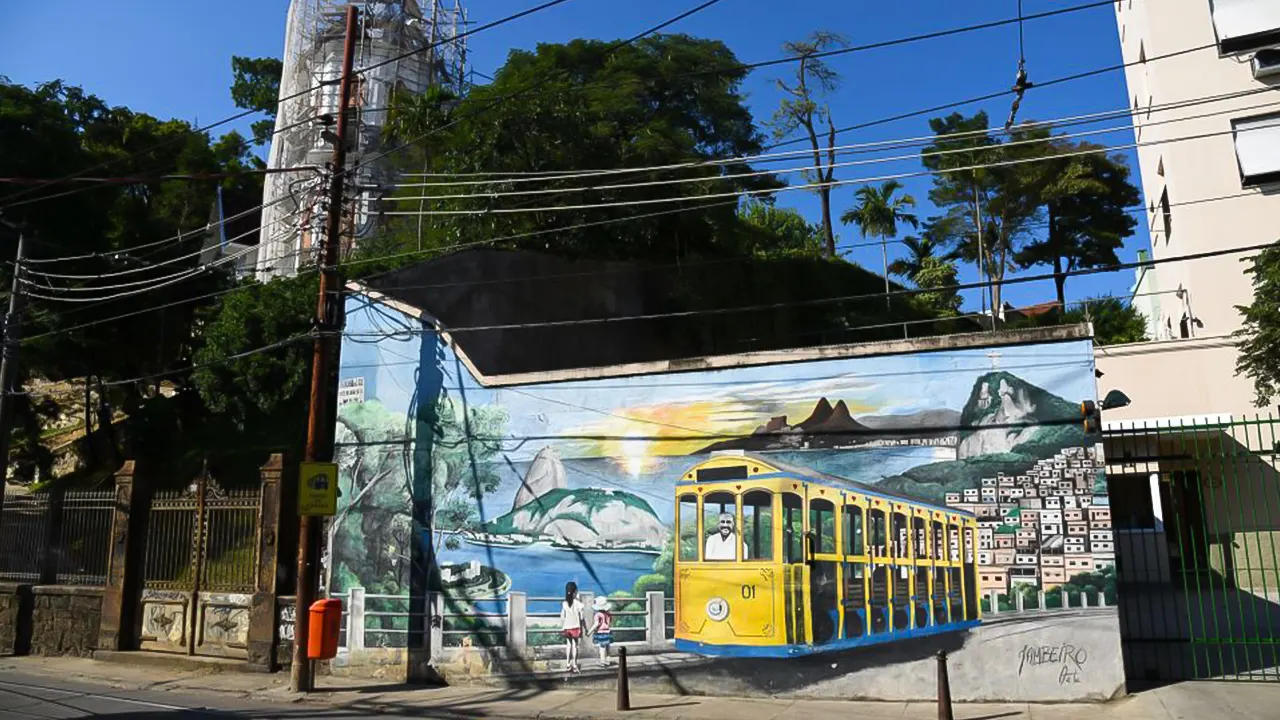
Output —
<point x="323" y="628"/>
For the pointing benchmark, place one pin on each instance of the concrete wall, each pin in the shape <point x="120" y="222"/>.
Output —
<point x="1157" y="377"/>
<point x="49" y="619"/>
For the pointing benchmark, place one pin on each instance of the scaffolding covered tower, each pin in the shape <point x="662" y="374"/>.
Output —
<point x="419" y="38"/>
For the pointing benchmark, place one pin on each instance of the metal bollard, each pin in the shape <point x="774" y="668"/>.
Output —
<point x="624" y="689"/>
<point x="944" y="688"/>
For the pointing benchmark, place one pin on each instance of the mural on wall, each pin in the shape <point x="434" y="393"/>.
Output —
<point x="991" y="489"/>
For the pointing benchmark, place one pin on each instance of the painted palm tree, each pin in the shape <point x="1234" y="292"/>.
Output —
<point x="878" y="214"/>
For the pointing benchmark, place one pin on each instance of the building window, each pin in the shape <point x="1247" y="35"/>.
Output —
<point x="1166" y="215"/>
<point x="1245" y="25"/>
<point x="1258" y="148"/>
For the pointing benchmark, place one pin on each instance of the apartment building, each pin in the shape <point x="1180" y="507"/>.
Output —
<point x="1210" y="175"/>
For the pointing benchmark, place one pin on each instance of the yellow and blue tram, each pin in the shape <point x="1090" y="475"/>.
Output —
<point x="812" y="562"/>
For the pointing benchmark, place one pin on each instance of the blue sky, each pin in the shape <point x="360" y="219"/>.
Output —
<point x="172" y="59"/>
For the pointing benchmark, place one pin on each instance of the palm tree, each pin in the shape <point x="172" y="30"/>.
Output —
<point x="878" y="213"/>
<point x="919" y="250"/>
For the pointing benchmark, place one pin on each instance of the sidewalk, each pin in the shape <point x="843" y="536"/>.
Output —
<point x="1188" y="701"/>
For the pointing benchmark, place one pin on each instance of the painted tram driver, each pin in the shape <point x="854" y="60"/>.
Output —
<point x="720" y="544"/>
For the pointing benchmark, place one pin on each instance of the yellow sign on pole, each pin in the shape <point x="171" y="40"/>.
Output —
<point x="318" y="491"/>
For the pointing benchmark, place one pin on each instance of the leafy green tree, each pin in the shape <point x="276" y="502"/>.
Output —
<point x="664" y="100"/>
<point x="878" y="213"/>
<point x="1114" y="320"/>
<point x="804" y="109"/>
<point x="919" y="250"/>
<point x="256" y="86"/>
<point x="1258" y="339"/>
<point x="783" y="231"/>
<point x="259" y="389"/>
<point x="939" y="277"/>
<point x="1087" y="199"/>
<point x="989" y="210"/>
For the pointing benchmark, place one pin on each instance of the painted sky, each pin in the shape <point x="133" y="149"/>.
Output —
<point x="635" y="417"/>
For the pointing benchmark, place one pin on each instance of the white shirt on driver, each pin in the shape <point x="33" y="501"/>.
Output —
<point x="719" y="547"/>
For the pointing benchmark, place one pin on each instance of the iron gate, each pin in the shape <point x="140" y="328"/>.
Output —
<point x="1196" y="507"/>
<point x="200" y="569"/>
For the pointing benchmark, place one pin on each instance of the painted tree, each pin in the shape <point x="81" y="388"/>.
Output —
<point x="1258" y="338"/>
<point x="1086" y="198"/>
<point x="878" y="212"/>
<point x="804" y="109"/>
<point x="465" y="442"/>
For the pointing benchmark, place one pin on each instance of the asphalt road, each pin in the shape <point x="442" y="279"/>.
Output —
<point x="31" y="696"/>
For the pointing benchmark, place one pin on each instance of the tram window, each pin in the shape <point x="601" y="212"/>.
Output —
<point x="901" y="541"/>
<point x="939" y="543"/>
<point x="853" y="538"/>
<point x="792" y="528"/>
<point x="822" y="521"/>
<point x="721" y="541"/>
<point x="688" y="528"/>
<point x="921" y="538"/>
<point x="757" y="524"/>
<point x="878" y="540"/>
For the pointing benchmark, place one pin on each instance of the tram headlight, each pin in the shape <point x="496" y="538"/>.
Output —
<point x="717" y="609"/>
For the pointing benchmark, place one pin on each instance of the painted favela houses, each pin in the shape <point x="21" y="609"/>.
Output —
<point x="816" y="523"/>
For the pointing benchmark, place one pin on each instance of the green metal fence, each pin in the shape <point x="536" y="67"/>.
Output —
<point x="1196" y="507"/>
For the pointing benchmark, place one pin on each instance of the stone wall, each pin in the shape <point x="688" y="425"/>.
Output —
<point x="15" y="613"/>
<point x="65" y="620"/>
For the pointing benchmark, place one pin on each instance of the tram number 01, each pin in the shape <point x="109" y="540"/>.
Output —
<point x="748" y="592"/>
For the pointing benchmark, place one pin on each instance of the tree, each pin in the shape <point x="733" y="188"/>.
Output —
<point x="257" y="87"/>
<point x="938" y="276"/>
<point x="464" y="441"/>
<point x="1114" y="321"/>
<point x="783" y="231"/>
<point x="801" y="110"/>
<point x="666" y="100"/>
<point x="1258" y="339"/>
<point x="990" y="209"/>
<point x="878" y="213"/>
<point x="919" y="250"/>
<point x="1087" y="199"/>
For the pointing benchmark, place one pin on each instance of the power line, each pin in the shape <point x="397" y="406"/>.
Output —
<point x="280" y="101"/>
<point x="815" y="185"/>
<point x="872" y="161"/>
<point x="854" y="148"/>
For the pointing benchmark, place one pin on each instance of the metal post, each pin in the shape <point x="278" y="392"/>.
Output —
<point x="327" y="314"/>
<point x="944" y="688"/>
<point x="624" y="688"/>
<point x="9" y="357"/>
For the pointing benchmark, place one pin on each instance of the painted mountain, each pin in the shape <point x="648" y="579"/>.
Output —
<point x="831" y="426"/>
<point x="1006" y="426"/>
<point x="547" y="510"/>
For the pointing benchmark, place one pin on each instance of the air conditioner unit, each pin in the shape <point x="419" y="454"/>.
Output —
<point x="1266" y="64"/>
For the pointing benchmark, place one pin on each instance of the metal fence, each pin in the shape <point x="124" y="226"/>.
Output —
<point x="202" y="539"/>
<point x="1196" y="506"/>
<point x="60" y="537"/>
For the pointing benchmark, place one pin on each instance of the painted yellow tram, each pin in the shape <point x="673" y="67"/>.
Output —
<point x="775" y="560"/>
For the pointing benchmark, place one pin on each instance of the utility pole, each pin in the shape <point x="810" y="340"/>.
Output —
<point x="328" y="322"/>
<point x="9" y="359"/>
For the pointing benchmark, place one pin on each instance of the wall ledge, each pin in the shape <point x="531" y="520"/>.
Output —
<point x="79" y="590"/>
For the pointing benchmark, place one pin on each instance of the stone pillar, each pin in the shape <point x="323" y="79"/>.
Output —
<point x="16" y="620"/>
<point x="993" y="599"/>
<point x="656" y="622"/>
<point x="1040" y="599"/>
<point x="355" y="619"/>
<point x="1102" y="598"/>
<point x="262" y="606"/>
<point x="1018" y="602"/>
<point x="1066" y="599"/>
<point x="1084" y="599"/>
<point x="121" y="595"/>
<point x="517" y="623"/>
<point x="589" y="613"/>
